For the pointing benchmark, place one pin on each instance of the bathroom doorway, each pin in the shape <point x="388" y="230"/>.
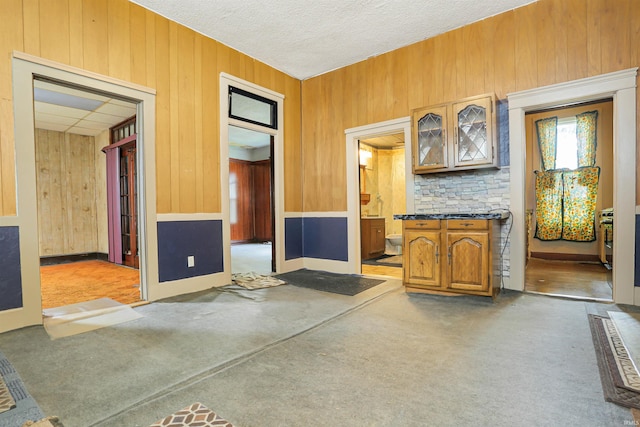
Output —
<point x="382" y="186"/>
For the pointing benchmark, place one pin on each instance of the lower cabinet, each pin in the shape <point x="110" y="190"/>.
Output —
<point x="373" y="237"/>
<point x="458" y="256"/>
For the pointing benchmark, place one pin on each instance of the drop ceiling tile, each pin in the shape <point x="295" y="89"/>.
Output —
<point x="54" y="118"/>
<point x="50" y="126"/>
<point x="90" y="124"/>
<point x="106" y="119"/>
<point x="70" y="91"/>
<point x="84" y="131"/>
<point x="43" y="107"/>
<point x="122" y="111"/>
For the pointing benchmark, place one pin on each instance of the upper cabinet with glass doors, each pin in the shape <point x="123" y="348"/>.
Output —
<point x="455" y="136"/>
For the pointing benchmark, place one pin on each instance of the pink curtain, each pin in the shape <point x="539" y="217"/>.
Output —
<point x="113" y="203"/>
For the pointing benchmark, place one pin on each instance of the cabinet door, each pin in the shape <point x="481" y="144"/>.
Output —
<point x="422" y="258"/>
<point x="430" y="138"/>
<point x="473" y="139"/>
<point x="377" y="236"/>
<point x="468" y="261"/>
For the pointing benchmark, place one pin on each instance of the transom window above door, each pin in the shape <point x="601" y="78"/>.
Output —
<point x="252" y="108"/>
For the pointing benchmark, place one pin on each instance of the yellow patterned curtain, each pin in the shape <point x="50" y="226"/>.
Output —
<point x="547" y="141"/>
<point x="549" y="205"/>
<point x="586" y="134"/>
<point x="580" y="192"/>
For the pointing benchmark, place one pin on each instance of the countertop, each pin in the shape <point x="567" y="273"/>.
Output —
<point x="498" y="214"/>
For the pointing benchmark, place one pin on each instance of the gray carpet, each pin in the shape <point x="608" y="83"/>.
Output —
<point x="293" y="356"/>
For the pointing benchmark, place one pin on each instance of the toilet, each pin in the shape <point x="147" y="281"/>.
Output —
<point x="393" y="244"/>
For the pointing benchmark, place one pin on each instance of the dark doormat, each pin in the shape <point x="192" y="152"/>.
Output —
<point x="388" y="260"/>
<point x="344" y="284"/>
<point x="613" y="386"/>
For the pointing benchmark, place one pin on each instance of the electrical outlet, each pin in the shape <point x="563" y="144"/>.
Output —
<point x="191" y="261"/>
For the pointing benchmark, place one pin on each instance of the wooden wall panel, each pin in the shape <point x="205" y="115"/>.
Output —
<point x="54" y="30"/>
<point x="546" y="42"/>
<point x="66" y="186"/>
<point x="241" y="200"/>
<point x="122" y="40"/>
<point x="95" y="36"/>
<point x="31" y="16"/>
<point x="261" y="177"/>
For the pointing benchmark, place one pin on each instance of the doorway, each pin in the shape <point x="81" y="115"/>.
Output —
<point x="382" y="194"/>
<point x="621" y="86"/>
<point x="251" y="215"/>
<point x="258" y="112"/>
<point x="73" y="126"/>
<point x="574" y="266"/>
<point x="401" y="128"/>
<point x="24" y="68"/>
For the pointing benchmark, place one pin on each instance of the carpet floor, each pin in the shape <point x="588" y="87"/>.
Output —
<point x="71" y="283"/>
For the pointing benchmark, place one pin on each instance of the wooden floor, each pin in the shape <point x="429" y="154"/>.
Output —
<point x="569" y="278"/>
<point x="70" y="283"/>
<point x="382" y="270"/>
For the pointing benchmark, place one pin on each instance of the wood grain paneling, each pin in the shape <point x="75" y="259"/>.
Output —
<point x="119" y="39"/>
<point x="241" y="202"/>
<point x="67" y="195"/>
<point x="250" y="195"/>
<point x="262" y="218"/>
<point x="545" y="42"/>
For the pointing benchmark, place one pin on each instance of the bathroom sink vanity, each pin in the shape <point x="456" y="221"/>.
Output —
<point x="452" y="253"/>
<point x="372" y="237"/>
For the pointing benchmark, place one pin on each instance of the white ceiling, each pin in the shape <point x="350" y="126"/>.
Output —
<point x="305" y="38"/>
<point x="71" y="110"/>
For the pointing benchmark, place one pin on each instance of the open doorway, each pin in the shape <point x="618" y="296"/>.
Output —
<point x="382" y="194"/>
<point x="251" y="214"/>
<point x="568" y="198"/>
<point x="354" y="136"/>
<point x="80" y="206"/>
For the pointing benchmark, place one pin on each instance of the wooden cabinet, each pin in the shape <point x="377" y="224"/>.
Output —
<point x="455" y="136"/>
<point x="372" y="238"/>
<point x="458" y="256"/>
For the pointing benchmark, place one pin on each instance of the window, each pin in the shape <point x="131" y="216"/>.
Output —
<point x="567" y="148"/>
<point x="252" y="108"/>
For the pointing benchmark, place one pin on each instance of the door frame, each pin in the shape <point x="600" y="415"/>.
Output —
<point x="353" y="137"/>
<point x="277" y="163"/>
<point x="24" y="68"/>
<point x="621" y="86"/>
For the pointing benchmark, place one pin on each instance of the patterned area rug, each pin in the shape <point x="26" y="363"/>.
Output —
<point x="25" y="409"/>
<point x="6" y="400"/>
<point x="619" y="377"/>
<point x="195" y="415"/>
<point x="255" y="281"/>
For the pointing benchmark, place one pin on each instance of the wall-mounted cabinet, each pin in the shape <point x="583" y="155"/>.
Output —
<point x="458" y="135"/>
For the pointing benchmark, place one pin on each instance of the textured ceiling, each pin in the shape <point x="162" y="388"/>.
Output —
<point x="306" y="38"/>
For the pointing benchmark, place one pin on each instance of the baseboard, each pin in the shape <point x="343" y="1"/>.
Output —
<point x="565" y="257"/>
<point x="65" y="259"/>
